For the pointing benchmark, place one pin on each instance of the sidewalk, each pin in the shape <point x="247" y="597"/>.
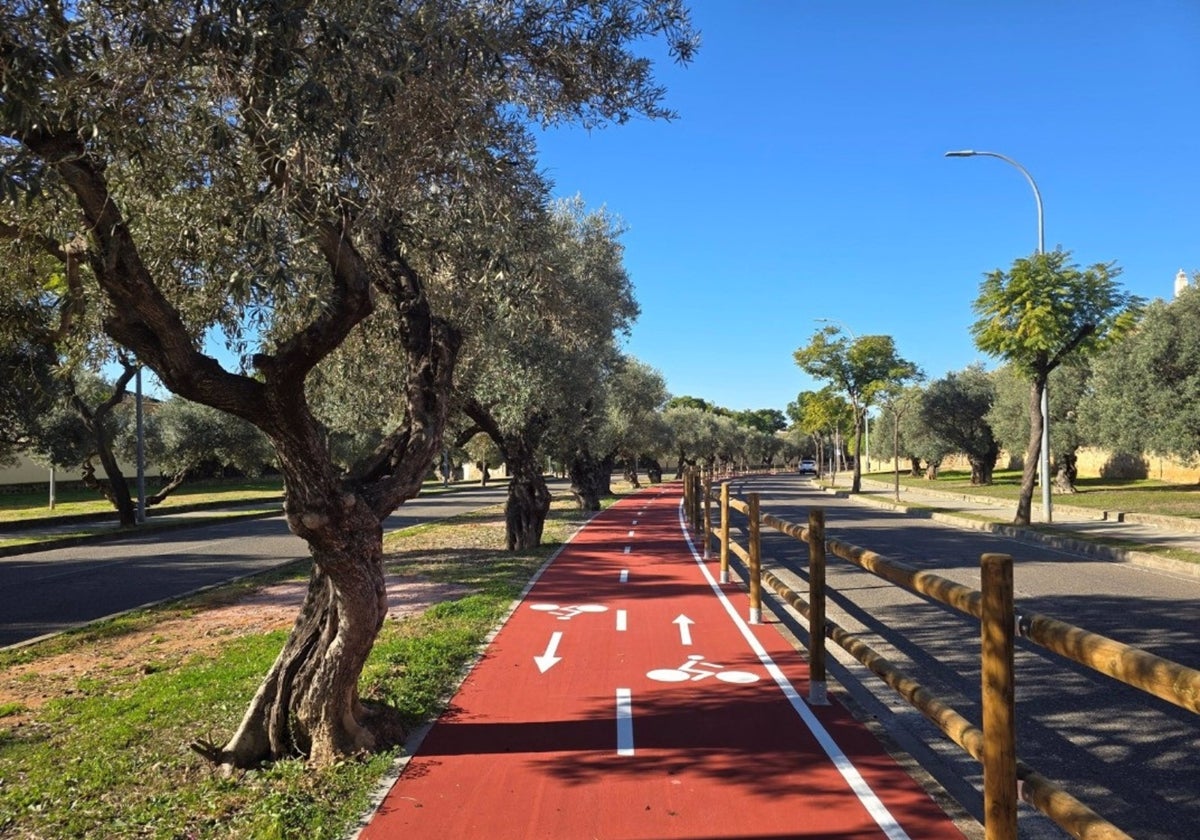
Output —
<point x="1077" y="529"/>
<point x="626" y="697"/>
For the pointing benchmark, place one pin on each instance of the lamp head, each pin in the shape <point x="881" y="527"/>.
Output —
<point x="962" y="153"/>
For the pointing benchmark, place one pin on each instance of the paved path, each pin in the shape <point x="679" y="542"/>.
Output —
<point x="626" y="698"/>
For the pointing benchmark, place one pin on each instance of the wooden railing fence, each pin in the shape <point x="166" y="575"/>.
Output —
<point x="1007" y="779"/>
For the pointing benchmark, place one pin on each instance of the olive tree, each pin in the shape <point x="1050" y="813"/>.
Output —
<point x="1145" y="395"/>
<point x="955" y="409"/>
<point x="289" y="172"/>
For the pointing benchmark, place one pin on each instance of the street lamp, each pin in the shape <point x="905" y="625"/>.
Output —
<point x="1044" y="463"/>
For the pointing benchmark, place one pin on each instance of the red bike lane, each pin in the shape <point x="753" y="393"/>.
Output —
<point x="626" y="697"/>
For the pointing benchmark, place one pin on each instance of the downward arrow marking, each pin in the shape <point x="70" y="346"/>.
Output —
<point x="548" y="660"/>
<point x="685" y="629"/>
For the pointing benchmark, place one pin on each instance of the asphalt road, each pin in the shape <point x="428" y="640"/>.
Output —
<point x="1131" y="757"/>
<point x="52" y="591"/>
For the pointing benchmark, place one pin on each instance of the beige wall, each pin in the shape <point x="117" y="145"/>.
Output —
<point x="1094" y="463"/>
<point x="27" y="471"/>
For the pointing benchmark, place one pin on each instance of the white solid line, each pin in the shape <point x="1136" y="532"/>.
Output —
<point x="878" y="811"/>
<point x="624" y="721"/>
<point x="627" y="548"/>
<point x="622" y="621"/>
<point x="624" y="576"/>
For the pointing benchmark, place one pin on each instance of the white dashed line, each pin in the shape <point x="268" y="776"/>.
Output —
<point x="624" y="721"/>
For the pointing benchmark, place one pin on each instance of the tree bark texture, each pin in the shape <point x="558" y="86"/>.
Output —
<point x="528" y="498"/>
<point x="116" y="487"/>
<point x="1067" y="472"/>
<point x="654" y="471"/>
<point x="590" y="479"/>
<point x="308" y="702"/>
<point x="1029" y="472"/>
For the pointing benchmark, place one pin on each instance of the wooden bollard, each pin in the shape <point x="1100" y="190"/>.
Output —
<point x="707" y="518"/>
<point x="724" y="535"/>
<point x="817" y="694"/>
<point x="999" y="715"/>
<point x="755" y="571"/>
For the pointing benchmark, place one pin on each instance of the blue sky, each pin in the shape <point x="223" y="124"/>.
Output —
<point x="804" y="177"/>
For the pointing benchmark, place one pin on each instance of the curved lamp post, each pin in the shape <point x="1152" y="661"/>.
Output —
<point x="1044" y="461"/>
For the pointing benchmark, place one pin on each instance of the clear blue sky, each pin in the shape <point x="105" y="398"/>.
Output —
<point x="804" y="177"/>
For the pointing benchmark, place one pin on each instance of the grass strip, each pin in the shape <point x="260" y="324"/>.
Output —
<point x="105" y="755"/>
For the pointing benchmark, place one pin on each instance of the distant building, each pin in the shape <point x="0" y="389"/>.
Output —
<point x="1181" y="281"/>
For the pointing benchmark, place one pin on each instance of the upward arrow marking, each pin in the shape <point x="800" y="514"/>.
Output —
<point x="548" y="660"/>
<point x="685" y="629"/>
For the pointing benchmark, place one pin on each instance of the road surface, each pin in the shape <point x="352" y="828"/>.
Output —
<point x="51" y="591"/>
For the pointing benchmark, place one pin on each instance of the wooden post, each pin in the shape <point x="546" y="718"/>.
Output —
<point x="724" y="532"/>
<point x="687" y="493"/>
<point x="755" y="571"/>
<point x="707" y="517"/>
<point x="817" y="695"/>
<point x="999" y="716"/>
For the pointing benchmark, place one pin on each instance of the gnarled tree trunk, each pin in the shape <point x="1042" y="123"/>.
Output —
<point x="528" y="498"/>
<point x="308" y="702"/>
<point x="591" y="479"/>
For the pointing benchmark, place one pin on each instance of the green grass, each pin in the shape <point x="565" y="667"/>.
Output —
<point x="19" y="507"/>
<point x="33" y="506"/>
<point x="108" y="757"/>
<point x="1129" y="495"/>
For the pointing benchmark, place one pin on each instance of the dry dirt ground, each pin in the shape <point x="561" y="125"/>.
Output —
<point x="264" y="610"/>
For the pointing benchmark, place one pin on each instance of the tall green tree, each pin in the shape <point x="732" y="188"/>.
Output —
<point x="1038" y="315"/>
<point x="287" y="171"/>
<point x="860" y="368"/>
<point x="823" y="415"/>
<point x="1009" y="416"/>
<point x="1145" y="395"/>
<point x="529" y="367"/>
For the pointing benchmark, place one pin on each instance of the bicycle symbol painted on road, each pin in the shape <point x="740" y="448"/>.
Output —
<point x="568" y="612"/>
<point x="695" y="668"/>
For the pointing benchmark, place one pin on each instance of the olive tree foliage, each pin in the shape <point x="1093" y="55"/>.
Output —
<point x="29" y="389"/>
<point x="694" y="435"/>
<point x="543" y="357"/>
<point x="954" y="409"/>
<point x="484" y="454"/>
<point x="860" y="369"/>
<point x="1145" y="394"/>
<point x="1040" y="314"/>
<point x="183" y="437"/>
<point x="57" y="409"/>
<point x="1009" y="416"/>
<point x="908" y="437"/>
<point x="637" y="394"/>
<point x="287" y="171"/>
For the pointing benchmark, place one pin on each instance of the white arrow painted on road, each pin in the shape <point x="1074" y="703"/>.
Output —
<point x="548" y="660"/>
<point x="685" y="629"/>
